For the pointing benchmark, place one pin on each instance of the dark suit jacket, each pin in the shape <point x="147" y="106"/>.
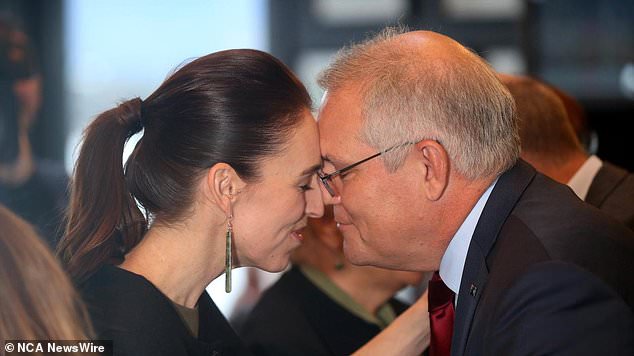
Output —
<point x="612" y="190"/>
<point x="129" y="310"/>
<point x="294" y="317"/>
<point x="545" y="274"/>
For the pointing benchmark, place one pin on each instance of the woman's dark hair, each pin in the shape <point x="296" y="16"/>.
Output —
<point x="234" y="106"/>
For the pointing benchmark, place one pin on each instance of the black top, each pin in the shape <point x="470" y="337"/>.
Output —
<point x="294" y="317"/>
<point x="131" y="311"/>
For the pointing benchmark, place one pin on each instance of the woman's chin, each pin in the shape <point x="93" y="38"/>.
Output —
<point x="276" y="266"/>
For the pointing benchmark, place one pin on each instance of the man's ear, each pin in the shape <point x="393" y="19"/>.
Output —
<point x="436" y="161"/>
<point x="223" y="184"/>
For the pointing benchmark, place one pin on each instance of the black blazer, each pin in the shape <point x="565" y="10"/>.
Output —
<point x="612" y="191"/>
<point x="128" y="309"/>
<point x="294" y="317"/>
<point x="545" y="274"/>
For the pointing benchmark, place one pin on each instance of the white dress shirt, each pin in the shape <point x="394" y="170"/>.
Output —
<point x="581" y="181"/>
<point x="452" y="262"/>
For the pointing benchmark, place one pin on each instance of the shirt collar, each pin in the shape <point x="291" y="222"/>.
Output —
<point x="452" y="262"/>
<point x="581" y="181"/>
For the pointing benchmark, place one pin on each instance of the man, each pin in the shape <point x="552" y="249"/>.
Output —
<point x="550" y="144"/>
<point x="420" y="147"/>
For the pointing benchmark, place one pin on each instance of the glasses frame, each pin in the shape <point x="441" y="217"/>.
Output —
<point x="328" y="177"/>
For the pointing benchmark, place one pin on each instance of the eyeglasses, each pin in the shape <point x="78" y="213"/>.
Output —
<point x="326" y="180"/>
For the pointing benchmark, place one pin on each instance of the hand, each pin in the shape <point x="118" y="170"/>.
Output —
<point x="409" y="334"/>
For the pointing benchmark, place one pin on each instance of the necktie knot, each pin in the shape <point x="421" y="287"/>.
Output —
<point x="439" y="293"/>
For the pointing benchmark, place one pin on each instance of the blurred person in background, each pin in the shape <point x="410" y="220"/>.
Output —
<point x="324" y="305"/>
<point x="550" y="144"/>
<point x="37" y="299"/>
<point x="33" y="188"/>
<point x="247" y="299"/>
<point x="579" y="120"/>
<point x="223" y="177"/>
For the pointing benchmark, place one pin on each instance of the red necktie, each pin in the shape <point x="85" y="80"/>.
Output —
<point x="441" y="315"/>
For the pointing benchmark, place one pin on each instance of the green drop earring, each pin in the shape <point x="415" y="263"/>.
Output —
<point x="228" y="257"/>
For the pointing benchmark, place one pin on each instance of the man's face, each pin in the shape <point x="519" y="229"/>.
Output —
<point x="383" y="216"/>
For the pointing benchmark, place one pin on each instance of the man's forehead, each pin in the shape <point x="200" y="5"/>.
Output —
<point x="340" y="108"/>
<point x="339" y="122"/>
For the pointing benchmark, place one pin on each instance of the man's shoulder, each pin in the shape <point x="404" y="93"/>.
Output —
<point x="549" y="309"/>
<point x="561" y="280"/>
<point x="549" y="223"/>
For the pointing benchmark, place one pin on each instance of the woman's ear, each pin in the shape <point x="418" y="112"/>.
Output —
<point x="223" y="184"/>
<point x="435" y="160"/>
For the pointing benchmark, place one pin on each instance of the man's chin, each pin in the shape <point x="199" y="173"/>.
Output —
<point x="355" y="253"/>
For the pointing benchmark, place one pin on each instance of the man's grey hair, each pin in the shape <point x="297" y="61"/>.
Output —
<point x="409" y="94"/>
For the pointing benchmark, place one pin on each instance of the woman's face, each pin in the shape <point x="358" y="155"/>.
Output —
<point x="269" y="214"/>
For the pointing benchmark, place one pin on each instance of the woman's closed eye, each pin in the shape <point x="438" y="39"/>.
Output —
<point x="307" y="185"/>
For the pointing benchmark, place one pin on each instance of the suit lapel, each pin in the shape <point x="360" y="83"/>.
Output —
<point x="503" y="198"/>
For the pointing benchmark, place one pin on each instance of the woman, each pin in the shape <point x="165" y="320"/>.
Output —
<point x="224" y="175"/>
<point x="37" y="300"/>
<point x="325" y="305"/>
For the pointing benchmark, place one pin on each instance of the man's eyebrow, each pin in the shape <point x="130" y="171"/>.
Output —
<point x="312" y="170"/>
<point x="333" y="160"/>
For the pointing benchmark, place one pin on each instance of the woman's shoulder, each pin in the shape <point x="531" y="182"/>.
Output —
<point x="128" y="309"/>
<point x="113" y="285"/>
<point x="121" y="300"/>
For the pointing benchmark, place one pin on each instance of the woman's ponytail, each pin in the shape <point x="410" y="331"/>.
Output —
<point x="103" y="220"/>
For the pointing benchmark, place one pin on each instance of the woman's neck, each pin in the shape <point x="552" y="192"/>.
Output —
<point x="179" y="261"/>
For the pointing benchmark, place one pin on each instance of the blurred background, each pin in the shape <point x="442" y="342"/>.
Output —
<point x="91" y="54"/>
